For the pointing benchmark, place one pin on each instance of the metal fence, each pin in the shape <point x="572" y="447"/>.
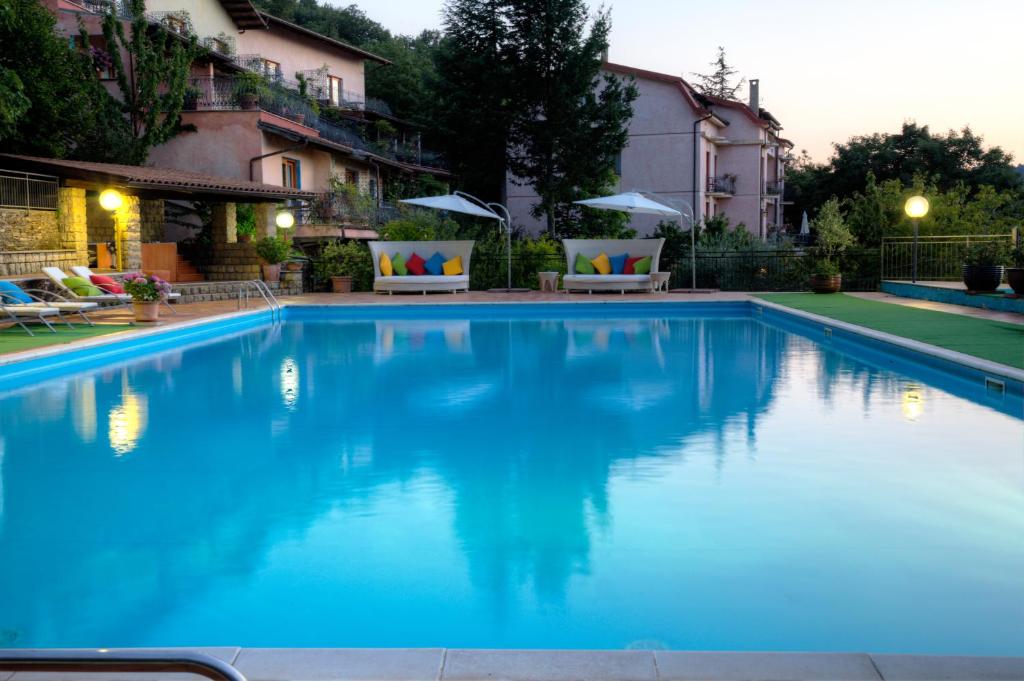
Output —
<point x="939" y="258"/>
<point x="27" y="190"/>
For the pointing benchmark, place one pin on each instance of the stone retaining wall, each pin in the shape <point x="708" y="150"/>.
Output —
<point x="209" y="291"/>
<point x="17" y="263"/>
<point x="28" y="230"/>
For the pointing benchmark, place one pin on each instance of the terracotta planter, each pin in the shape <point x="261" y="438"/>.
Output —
<point x="982" y="278"/>
<point x="293" y="266"/>
<point x="821" y="283"/>
<point x="249" y="101"/>
<point x="271" y="272"/>
<point x="1015" y="278"/>
<point x="341" y="284"/>
<point x="146" y="310"/>
<point x="244" y="238"/>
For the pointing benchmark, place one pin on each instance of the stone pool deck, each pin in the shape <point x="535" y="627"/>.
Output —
<point x="438" y="664"/>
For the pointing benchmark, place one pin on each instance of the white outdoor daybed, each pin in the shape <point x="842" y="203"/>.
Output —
<point x="591" y="248"/>
<point x="427" y="282"/>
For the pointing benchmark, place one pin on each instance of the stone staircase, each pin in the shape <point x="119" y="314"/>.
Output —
<point x="187" y="272"/>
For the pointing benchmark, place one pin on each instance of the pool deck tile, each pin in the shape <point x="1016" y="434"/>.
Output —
<point x="338" y="664"/>
<point x="225" y="653"/>
<point x="549" y="665"/>
<point x="949" y="668"/>
<point x="721" y="666"/>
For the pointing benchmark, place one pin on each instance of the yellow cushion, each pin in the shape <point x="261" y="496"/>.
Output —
<point x="385" y="265"/>
<point x="453" y="266"/>
<point x="602" y="264"/>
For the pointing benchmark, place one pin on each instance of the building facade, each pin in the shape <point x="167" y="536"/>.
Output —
<point x="723" y="158"/>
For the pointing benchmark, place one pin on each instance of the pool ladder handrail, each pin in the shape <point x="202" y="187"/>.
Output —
<point x="261" y="287"/>
<point x="103" y="660"/>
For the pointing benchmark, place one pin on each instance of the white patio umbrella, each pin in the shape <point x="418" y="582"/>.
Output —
<point x="461" y="202"/>
<point x="635" y="202"/>
<point x="805" y="226"/>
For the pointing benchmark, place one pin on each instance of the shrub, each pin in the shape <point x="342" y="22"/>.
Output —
<point x="274" y="249"/>
<point x="987" y="253"/>
<point x="832" y="235"/>
<point x="346" y="259"/>
<point x="245" y="224"/>
<point x="420" y="225"/>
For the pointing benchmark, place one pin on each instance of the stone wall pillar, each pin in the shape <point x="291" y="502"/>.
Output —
<point x="266" y="216"/>
<point x="72" y="223"/>
<point x="128" y="235"/>
<point x="224" y="223"/>
<point x="151" y="212"/>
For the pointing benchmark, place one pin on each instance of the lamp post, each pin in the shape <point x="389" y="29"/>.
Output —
<point x="916" y="208"/>
<point x="111" y="200"/>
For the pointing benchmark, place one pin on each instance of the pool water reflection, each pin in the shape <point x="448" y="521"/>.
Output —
<point x="712" y="483"/>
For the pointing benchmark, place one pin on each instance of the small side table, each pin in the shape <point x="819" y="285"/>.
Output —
<point x="548" y="281"/>
<point x="659" y="281"/>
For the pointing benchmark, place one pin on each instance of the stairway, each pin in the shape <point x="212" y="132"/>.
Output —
<point x="187" y="272"/>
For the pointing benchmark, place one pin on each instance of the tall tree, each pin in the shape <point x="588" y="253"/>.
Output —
<point x="719" y="83"/>
<point x="568" y="120"/>
<point x="153" y="95"/>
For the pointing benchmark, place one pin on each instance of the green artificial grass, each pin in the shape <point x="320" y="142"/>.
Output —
<point x="14" y="338"/>
<point x="984" y="338"/>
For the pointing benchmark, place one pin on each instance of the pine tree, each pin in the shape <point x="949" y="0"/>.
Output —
<point x="153" y="97"/>
<point x="719" y="82"/>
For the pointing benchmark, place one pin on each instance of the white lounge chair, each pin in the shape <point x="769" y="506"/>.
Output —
<point x="86" y="273"/>
<point x="591" y="248"/>
<point x="19" y="314"/>
<point x="427" y="282"/>
<point x="57" y="276"/>
<point x="39" y="298"/>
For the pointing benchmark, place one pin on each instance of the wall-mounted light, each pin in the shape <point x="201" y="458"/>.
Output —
<point x="285" y="220"/>
<point x="111" y="199"/>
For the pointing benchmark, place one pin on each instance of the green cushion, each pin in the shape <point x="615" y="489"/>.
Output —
<point x="398" y="264"/>
<point x="642" y="266"/>
<point x="81" y="287"/>
<point x="583" y="265"/>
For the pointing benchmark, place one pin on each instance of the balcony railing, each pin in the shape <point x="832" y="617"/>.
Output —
<point x="723" y="184"/>
<point x="119" y="8"/>
<point x="176" y="21"/>
<point x="223" y="94"/>
<point x="773" y="187"/>
<point x="341" y="208"/>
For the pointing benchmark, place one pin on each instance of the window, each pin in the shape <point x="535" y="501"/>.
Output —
<point x="618" y="164"/>
<point x="352" y="177"/>
<point x="335" y="93"/>
<point x="707" y="165"/>
<point x="290" y="174"/>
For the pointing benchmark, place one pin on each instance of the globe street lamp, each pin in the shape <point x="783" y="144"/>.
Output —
<point x="285" y="219"/>
<point x="916" y="208"/>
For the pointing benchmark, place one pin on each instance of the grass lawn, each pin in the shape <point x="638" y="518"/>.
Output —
<point x="996" y="341"/>
<point x="14" y="338"/>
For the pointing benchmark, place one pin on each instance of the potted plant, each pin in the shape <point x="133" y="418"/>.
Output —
<point x="273" y="250"/>
<point x="348" y="265"/>
<point x="295" y="259"/>
<point x="983" y="266"/>
<point x="248" y="88"/>
<point x="832" y="238"/>
<point x="146" y="293"/>
<point x="1015" y="273"/>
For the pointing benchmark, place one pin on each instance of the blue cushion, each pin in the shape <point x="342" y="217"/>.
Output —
<point x="11" y="290"/>
<point x="618" y="263"/>
<point x="435" y="265"/>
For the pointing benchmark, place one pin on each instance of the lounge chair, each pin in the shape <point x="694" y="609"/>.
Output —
<point x="425" y="282"/>
<point x="86" y="273"/>
<point x="57" y="276"/>
<point x="591" y="248"/>
<point x="12" y="295"/>
<point x="19" y="314"/>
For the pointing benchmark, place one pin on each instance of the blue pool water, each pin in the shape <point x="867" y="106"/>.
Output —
<point x="572" y="481"/>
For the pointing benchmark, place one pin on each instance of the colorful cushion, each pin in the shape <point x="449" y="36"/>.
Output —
<point x="643" y="265"/>
<point x="81" y="287"/>
<point x="435" y="266"/>
<point x="618" y="263"/>
<point x="453" y="267"/>
<point x="106" y="283"/>
<point x="398" y="264"/>
<point x="583" y="264"/>
<point x="11" y="293"/>
<point x="630" y="267"/>
<point x="602" y="264"/>
<point x="415" y="265"/>
<point x="386" y="269"/>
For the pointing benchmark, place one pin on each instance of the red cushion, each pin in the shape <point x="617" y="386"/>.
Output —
<point x="414" y="264"/>
<point x="628" y="269"/>
<point x="106" y="283"/>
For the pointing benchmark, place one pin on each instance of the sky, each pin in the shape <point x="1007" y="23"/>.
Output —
<point x="829" y="70"/>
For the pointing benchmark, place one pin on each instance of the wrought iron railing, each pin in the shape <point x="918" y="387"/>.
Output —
<point x="222" y="44"/>
<point x="723" y="184"/>
<point x="176" y="21"/>
<point x="119" y="8"/>
<point x="28" y="190"/>
<point x="773" y="187"/>
<point x="939" y="258"/>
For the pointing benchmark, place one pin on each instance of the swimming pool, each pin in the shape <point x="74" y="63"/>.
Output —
<point x="565" y="476"/>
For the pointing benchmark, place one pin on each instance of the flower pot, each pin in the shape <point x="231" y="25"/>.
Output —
<point x="249" y="101"/>
<point x="146" y="310"/>
<point x="244" y="238"/>
<point x="1015" y="278"/>
<point x="293" y="266"/>
<point x="982" y="278"/>
<point x="341" y="284"/>
<point x="271" y="272"/>
<point x="821" y="283"/>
